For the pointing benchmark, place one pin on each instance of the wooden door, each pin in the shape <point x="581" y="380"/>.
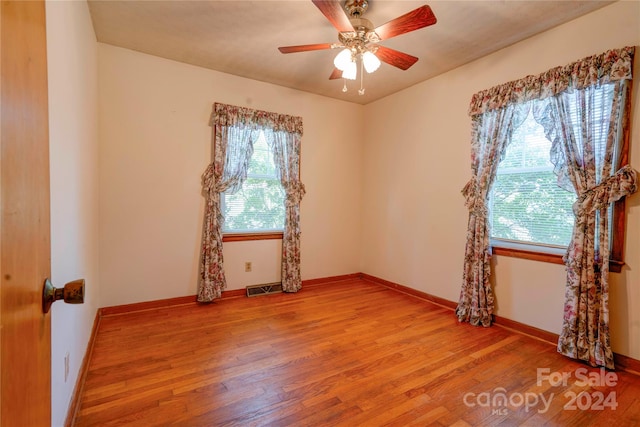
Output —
<point x="25" y="249"/>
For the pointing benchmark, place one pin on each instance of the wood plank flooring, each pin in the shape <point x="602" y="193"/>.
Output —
<point x="352" y="353"/>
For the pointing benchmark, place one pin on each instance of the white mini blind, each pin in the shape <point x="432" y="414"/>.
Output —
<point x="259" y="205"/>
<point x="526" y="203"/>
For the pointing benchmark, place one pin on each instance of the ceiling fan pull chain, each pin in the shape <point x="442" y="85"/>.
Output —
<point x="344" y="88"/>
<point x="361" y="91"/>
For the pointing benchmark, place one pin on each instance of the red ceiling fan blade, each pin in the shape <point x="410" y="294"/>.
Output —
<point x="304" y="48"/>
<point x="336" y="74"/>
<point x="332" y="10"/>
<point x="396" y="58"/>
<point x="414" y="20"/>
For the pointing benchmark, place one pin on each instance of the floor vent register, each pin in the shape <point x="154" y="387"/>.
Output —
<point x="270" y="288"/>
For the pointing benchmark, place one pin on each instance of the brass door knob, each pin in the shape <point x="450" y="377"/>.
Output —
<point x="72" y="293"/>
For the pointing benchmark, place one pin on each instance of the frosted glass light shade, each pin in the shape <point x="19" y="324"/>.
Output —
<point x="343" y="59"/>
<point x="371" y="62"/>
<point x="350" y="72"/>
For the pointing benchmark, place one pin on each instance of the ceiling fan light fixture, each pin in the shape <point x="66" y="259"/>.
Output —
<point x="350" y="72"/>
<point x="358" y="38"/>
<point x="371" y="62"/>
<point x="343" y="59"/>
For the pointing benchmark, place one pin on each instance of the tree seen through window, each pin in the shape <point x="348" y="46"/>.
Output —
<point x="526" y="203"/>
<point x="259" y="204"/>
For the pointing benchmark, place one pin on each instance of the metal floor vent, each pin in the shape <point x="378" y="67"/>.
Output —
<point x="270" y="288"/>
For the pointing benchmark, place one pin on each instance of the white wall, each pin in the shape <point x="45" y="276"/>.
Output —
<point x="72" y="64"/>
<point x="417" y="159"/>
<point x="155" y="143"/>
<point x="406" y="225"/>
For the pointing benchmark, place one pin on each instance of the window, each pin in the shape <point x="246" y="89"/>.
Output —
<point x="531" y="216"/>
<point x="258" y="207"/>
<point x="526" y="204"/>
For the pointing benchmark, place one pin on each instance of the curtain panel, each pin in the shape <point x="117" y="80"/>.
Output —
<point x="584" y="153"/>
<point x="582" y="165"/>
<point x="235" y="130"/>
<point x="286" y="153"/>
<point x="490" y="134"/>
<point x="232" y="150"/>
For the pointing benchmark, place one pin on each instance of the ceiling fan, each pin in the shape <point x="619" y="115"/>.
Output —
<point x="358" y="38"/>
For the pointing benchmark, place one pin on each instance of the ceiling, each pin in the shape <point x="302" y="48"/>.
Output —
<point x="242" y="37"/>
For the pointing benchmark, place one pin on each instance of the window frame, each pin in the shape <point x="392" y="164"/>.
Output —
<point x="246" y="236"/>
<point x="617" y="224"/>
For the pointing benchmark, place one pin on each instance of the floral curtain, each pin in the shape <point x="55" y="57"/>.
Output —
<point x="235" y="130"/>
<point x="584" y="152"/>
<point x="490" y="135"/>
<point x="584" y="127"/>
<point x="286" y="153"/>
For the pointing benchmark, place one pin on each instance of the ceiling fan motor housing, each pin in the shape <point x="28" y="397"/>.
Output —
<point x="362" y="35"/>
<point x="355" y="8"/>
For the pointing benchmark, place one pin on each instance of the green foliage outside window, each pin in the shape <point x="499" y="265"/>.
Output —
<point x="526" y="203"/>
<point x="259" y="204"/>
<point x="530" y="207"/>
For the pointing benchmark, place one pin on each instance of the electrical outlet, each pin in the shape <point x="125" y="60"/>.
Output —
<point x="66" y="367"/>
<point x="247" y="267"/>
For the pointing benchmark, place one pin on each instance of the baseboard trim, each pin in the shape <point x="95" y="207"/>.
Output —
<point x="233" y="293"/>
<point x="164" y="303"/>
<point x="192" y="299"/>
<point x="523" y="328"/>
<point x="626" y="363"/>
<point x="330" y="279"/>
<point x="74" y="405"/>
<point x="147" y="305"/>
<point x="410" y="291"/>
<point x="623" y="363"/>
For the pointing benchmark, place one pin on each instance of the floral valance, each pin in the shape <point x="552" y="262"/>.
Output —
<point x="230" y="115"/>
<point x="607" y="67"/>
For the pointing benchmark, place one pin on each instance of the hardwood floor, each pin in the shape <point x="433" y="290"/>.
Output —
<point x="352" y="353"/>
